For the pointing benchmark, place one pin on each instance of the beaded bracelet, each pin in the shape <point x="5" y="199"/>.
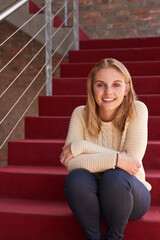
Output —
<point x="116" y="161"/>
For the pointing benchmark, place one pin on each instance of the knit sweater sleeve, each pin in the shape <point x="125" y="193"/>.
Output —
<point x="87" y="155"/>
<point x="137" y="133"/>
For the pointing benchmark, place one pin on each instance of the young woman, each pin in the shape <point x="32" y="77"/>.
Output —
<point x="104" y="148"/>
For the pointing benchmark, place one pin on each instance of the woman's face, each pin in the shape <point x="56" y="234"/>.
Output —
<point x="109" y="89"/>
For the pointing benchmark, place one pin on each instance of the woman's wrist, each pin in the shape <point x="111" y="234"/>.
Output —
<point x="117" y="157"/>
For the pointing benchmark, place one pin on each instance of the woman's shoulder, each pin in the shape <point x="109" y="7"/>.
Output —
<point x="140" y="107"/>
<point x="79" y="111"/>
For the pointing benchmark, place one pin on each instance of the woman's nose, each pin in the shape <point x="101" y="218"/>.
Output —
<point x="108" y="90"/>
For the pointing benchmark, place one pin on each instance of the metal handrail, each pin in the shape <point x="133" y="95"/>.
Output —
<point x="12" y="8"/>
<point x="24" y="24"/>
<point x="49" y="53"/>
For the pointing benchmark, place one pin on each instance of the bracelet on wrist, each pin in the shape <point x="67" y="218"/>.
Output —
<point x="116" y="160"/>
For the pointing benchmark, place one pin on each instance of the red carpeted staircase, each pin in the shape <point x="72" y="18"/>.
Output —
<point x="32" y="202"/>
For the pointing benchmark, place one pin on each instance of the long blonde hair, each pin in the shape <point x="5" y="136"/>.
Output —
<point x="126" y="110"/>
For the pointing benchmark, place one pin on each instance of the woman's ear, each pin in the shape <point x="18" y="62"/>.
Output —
<point x="127" y="89"/>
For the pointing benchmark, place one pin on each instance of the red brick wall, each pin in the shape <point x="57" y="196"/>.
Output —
<point x="7" y="51"/>
<point x="120" y="18"/>
<point x="115" y="18"/>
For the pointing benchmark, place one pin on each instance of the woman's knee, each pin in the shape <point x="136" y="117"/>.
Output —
<point x="116" y="179"/>
<point x="80" y="180"/>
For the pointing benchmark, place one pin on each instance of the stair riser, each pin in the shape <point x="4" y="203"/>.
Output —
<point x="64" y="105"/>
<point x="151" y="158"/>
<point x="120" y="43"/>
<point x="120" y="54"/>
<point x="34" y="154"/>
<point x="44" y="187"/>
<point x="78" y="86"/>
<point x="42" y="227"/>
<point x="59" y="106"/>
<point x="48" y="130"/>
<point x="39" y="227"/>
<point x="32" y="186"/>
<point x="135" y="68"/>
<point x="155" y="193"/>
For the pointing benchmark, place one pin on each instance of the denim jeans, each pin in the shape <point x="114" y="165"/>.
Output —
<point x="117" y="196"/>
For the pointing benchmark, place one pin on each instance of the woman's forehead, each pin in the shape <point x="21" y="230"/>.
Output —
<point x="109" y="74"/>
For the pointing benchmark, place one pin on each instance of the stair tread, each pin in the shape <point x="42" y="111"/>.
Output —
<point x="34" y="170"/>
<point x="60" y="141"/>
<point x="79" y="78"/>
<point x="115" y="49"/>
<point x="38" y="141"/>
<point x="55" y="170"/>
<point x="154" y="173"/>
<point x="120" y="43"/>
<point x="66" y="117"/>
<point x="84" y="95"/>
<point x="51" y="208"/>
<point x="127" y="61"/>
<point x="34" y="207"/>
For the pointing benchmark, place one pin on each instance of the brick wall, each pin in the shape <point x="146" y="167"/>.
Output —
<point x="116" y="18"/>
<point x="120" y="18"/>
<point x="7" y="51"/>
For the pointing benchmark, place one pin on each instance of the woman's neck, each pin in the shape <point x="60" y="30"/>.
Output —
<point x="106" y="116"/>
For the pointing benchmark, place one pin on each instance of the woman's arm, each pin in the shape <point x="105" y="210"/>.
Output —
<point x="97" y="162"/>
<point x="83" y="153"/>
<point x="137" y="133"/>
<point x="76" y="136"/>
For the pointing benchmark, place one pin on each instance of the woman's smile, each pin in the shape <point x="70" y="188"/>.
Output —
<point x="108" y="100"/>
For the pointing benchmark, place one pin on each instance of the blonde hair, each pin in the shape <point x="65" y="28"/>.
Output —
<point x="125" y="111"/>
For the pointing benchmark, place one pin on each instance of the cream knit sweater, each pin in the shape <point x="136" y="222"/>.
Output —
<point x="99" y="154"/>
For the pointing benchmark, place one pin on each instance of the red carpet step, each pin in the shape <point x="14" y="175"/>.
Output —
<point x="66" y="104"/>
<point x="37" y="152"/>
<point x="44" y="220"/>
<point x="95" y="55"/>
<point x="48" y="130"/>
<point x="47" y="183"/>
<point x="136" y="68"/>
<point x="77" y="86"/>
<point x="46" y="153"/>
<point x="120" y="43"/>
<point x="29" y="182"/>
<point x="32" y="201"/>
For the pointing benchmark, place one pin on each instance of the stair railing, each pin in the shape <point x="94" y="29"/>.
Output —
<point x="50" y="52"/>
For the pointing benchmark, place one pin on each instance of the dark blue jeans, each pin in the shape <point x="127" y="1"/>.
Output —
<point x="117" y="196"/>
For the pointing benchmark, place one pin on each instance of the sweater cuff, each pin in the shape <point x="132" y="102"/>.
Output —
<point x="75" y="149"/>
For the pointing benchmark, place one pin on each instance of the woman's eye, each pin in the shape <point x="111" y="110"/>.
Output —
<point x="99" y="85"/>
<point x="116" y="85"/>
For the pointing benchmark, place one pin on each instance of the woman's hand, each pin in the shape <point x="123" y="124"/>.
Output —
<point x="128" y="163"/>
<point x="66" y="154"/>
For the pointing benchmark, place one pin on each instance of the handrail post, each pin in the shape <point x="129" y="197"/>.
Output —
<point x="66" y="12"/>
<point x="76" y="24"/>
<point x="48" y="50"/>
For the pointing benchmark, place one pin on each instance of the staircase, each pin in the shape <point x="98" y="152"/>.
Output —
<point x="32" y="202"/>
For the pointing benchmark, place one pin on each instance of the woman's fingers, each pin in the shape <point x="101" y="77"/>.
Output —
<point x="66" y="154"/>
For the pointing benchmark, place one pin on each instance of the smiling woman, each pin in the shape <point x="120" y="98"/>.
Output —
<point x="110" y="70"/>
<point x="109" y="89"/>
<point x="104" y="149"/>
